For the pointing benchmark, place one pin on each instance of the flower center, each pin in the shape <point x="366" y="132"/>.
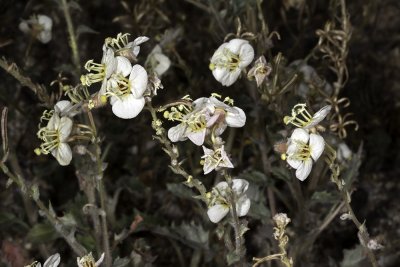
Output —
<point x="119" y="43"/>
<point x="226" y="60"/>
<point x="119" y="86"/>
<point x="302" y="153"/>
<point x="50" y="139"/>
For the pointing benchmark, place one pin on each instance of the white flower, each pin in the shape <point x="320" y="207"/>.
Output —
<point x="54" y="138"/>
<point x="303" y="148"/>
<point x="302" y="118"/>
<point x="230" y="59"/>
<point x="127" y="93"/>
<point x="343" y="152"/>
<point x="215" y="159"/>
<point x="207" y="114"/>
<point x="39" y="26"/>
<point x="219" y="205"/>
<point x="88" y="260"/>
<point x="52" y="261"/>
<point x="159" y="62"/>
<point x="122" y="47"/>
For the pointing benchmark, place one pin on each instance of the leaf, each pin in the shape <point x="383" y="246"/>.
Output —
<point x="180" y="190"/>
<point x="82" y="29"/>
<point x="232" y="257"/>
<point x="353" y="257"/>
<point x="42" y="233"/>
<point x="324" y="197"/>
<point x="121" y="262"/>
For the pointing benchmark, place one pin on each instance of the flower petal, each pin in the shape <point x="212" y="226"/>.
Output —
<point x="177" y="133"/>
<point x="220" y="74"/>
<point x="221" y="187"/>
<point x="317" y="145"/>
<point x="65" y="128"/>
<point x="123" y="66"/>
<point x="52" y="261"/>
<point x="294" y="163"/>
<point x="319" y="116"/>
<point x="304" y="170"/>
<point x="62" y="106"/>
<point x="246" y="55"/>
<point x="300" y="135"/>
<point x="163" y="63"/>
<point x="138" y="80"/>
<point x="45" y="21"/>
<point x="235" y="117"/>
<point x="197" y="137"/>
<point x="239" y="186"/>
<point x="217" y="213"/>
<point x="235" y="45"/>
<point x="243" y="206"/>
<point x="100" y="260"/>
<point x="63" y="154"/>
<point x="231" y="77"/>
<point x="127" y="107"/>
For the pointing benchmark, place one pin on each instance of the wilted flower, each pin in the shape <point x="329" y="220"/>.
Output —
<point x="205" y="115"/>
<point x="88" y="261"/>
<point x="55" y="136"/>
<point x="303" y="148"/>
<point x="52" y="261"/>
<point x="219" y="205"/>
<point x="122" y="47"/>
<point x="39" y="26"/>
<point x="260" y="70"/>
<point x="157" y="61"/>
<point x="127" y="93"/>
<point x="230" y="59"/>
<point x="215" y="159"/>
<point x="302" y="118"/>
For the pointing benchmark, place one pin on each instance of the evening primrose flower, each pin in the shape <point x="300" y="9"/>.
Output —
<point x="206" y="115"/>
<point x="220" y="203"/>
<point x="304" y="149"/>
<point x="122" y="47"/>
<point x="215" y="159"/>
<point x="88" y="261"/>
<point x="230" y="59"/>
<point x="260" y="71"/>
<point x="158" y="62"/>
<point x="39" y="26"/>
<point x="55" y="136"/>
<point x="52" y="261"/>
<point x="127" y="92"/>
<point x="301" y="118"/>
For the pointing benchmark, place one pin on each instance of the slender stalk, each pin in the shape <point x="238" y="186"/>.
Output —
<point x="72" y="37"/>
<point x="102" y="193"/>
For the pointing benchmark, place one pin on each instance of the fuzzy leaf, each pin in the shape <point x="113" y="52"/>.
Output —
<point x="42" y="233"/>
<point x="353" y="257"/>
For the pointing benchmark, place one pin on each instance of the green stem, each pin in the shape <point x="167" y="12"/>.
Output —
<point x="72" y="37"/>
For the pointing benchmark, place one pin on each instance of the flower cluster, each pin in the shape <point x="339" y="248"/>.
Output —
<point x="230" y="59"/>
<point x="220" y="197"/>
<point x="39" y="27"/>
<point x="202" y="117"/>
<point x="305" y="145"/>
<point x="85" y="261"/>
<point x="121" y="81"/>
